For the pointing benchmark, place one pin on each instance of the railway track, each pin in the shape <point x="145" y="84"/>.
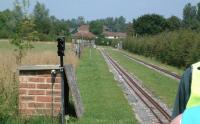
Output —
<point x="161" y="116"/>
<point x="157" y="68"/>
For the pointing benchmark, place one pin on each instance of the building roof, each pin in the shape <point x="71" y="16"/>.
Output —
<point x="115" y="34"/>
<point x="84" y="35"/>
<point x="83" y="28"/>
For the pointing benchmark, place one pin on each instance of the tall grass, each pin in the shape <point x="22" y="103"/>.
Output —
<point x="8" y="86"/>
<point x="43" y="53"/>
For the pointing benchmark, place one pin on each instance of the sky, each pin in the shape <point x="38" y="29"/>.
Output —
<point x="96" y="9"/>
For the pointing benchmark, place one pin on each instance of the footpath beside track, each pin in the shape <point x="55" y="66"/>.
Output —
<point x="161" y="116"/>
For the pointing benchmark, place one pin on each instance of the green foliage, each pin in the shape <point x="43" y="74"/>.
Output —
<point x="130" y="30"/>
<point x="149" y="24"/>
<point x="101" y="40"/>
<point x="191" y="16"/>
<point x="24" y="32"/>
<point x="173" y="23"/>
<point x="41" y="18"/>
<point x="178" y="48"/>
<point x="117" y="24"/>
<point x="96" y="27"/>
<point x="43" y="26"/>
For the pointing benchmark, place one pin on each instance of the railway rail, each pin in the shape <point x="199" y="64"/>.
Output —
<point x="155" y="67"/>
<point x="161" y="115"/>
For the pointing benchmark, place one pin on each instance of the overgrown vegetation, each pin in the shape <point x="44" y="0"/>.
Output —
<point x="172" y="41"/>
<point x="42" y="53"/>
<point x="179" y="48"/>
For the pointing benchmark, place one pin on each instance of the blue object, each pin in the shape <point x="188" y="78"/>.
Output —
<point x="191" y="116"/>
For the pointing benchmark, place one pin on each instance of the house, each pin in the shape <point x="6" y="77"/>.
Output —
<point x="84" y="33"/>
<point x="114" y="35"/>
<point x="83" y="36"/>
<point x="107" y="32"/>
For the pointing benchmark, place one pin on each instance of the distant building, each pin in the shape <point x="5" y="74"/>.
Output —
<point x="84" y="33"/>
<point x="114" y="35"/>
<point x="83" y="36"/>
<point x="107" y="32"/>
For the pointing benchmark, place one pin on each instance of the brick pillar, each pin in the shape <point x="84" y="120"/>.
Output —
<point x="35" y="90"/>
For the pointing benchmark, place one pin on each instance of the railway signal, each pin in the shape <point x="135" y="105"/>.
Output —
<point x="61" y="53"/>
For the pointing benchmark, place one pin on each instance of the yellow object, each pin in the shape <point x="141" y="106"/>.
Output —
<point x="194" y="99"/>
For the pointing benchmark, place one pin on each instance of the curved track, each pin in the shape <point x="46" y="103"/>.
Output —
<point x="159" y="113"/>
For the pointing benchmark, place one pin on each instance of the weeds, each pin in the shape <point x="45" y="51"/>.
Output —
<point x="9" y="79"/>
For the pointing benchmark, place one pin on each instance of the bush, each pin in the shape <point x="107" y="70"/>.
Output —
<point x="177" y="48"/>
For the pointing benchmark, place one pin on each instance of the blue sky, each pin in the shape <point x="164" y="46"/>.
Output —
<point x="93" y="9"/>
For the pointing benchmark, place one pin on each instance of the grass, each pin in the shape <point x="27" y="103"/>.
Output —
<point x="104" y="102"/>
<point x="156" y="62"/>
<point x="32" y="120"/>
<point x="42" y="53"/>
<point x="161" y="86"/>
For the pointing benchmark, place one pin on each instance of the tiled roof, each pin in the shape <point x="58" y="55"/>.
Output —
<point x="84" y="28"/>
<point x="115" y="34"/>
<point x="83" y="32"/>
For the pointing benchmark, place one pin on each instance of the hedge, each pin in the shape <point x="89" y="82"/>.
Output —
<point x="178" y="48"/>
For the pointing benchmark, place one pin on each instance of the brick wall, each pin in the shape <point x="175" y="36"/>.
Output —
<point x="35" y="90"/>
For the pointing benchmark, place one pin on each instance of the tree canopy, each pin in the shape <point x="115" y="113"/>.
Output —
<point x="149" y="24"/>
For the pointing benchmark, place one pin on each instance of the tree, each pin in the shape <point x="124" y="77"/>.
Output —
<point x="198" y="11"/>
<point x="173" y="23"/>
<point x="96" y="27"/>
<point x="189" y="15"/>
<point x="130" y="31"/>
<point x="120" y="24"/>
<point x="149" y="24"/>
<point x="41" y="19"/>
<point x="80" y="20"/>
<point x="24" y="33"/>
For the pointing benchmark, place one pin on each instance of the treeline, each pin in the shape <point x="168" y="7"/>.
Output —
<point x="38" y="25"/>
<point x="172" y="41"/>
<point x="152" y="24"/>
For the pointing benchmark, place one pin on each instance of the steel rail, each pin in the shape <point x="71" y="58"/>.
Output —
<point x="138" y="91"/>
<point x="153" y="66"/>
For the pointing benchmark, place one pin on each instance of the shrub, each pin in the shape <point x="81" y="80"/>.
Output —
<point x="178" y="48"/>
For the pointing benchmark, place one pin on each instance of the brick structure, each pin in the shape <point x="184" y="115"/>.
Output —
<point x="35" y="90"/>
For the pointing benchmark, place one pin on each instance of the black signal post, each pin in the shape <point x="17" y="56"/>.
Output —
<point x="61" y="49"/>
<point x="61" y="53"/>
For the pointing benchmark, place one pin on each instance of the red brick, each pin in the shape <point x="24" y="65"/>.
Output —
<point x="57" y="86"/>
<point x="36" y="105"/>
<point x="36" y="79"/>
<point x="23" y="78"/>
<point x="22" y="105"/>
<point x="44" y="111"/>
<point x="55" y="105"/>
<point x="27" y="98"/>
<point x="22" y="91"/>
<point x="57" y="99"/>
<point x="36" y="92"/>
<point x="44" y="86"/>
<point x="27" y="85"/>
<point x="57" y="93"/>
<point x="27" y="111"/>
<point x="57" y="80"/>
<point x="44" y="99"/>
